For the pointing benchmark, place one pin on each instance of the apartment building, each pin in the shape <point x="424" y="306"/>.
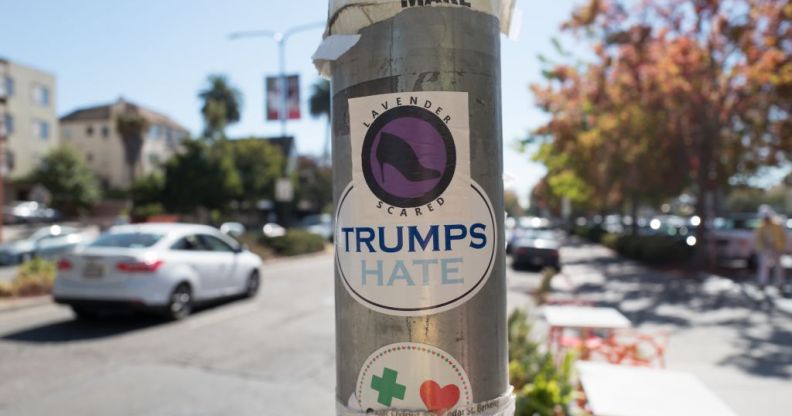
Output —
<point x="92" y="131"/>
<point x="29" y="120"/>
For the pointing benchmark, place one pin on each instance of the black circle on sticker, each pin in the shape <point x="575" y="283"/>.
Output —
<point x="408" y="157"/>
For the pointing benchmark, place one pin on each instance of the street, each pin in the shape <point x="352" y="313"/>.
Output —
<point x="275" y="355"/>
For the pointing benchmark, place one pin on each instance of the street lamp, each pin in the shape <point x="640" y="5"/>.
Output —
<point x="280" y="38"/>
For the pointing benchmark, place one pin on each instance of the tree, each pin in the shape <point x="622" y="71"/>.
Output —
<point x="222" y="104"/>
<point x="147" y="195"/>
<point x="678" y="94"/>
<point x="315" y="185"/>
<point x="258" y="164"/>
<point x="131" y="126"/>
<point x="66" y="176"/>
<point x="200" y="176"/>
<point x="512" y="204"/>
<point x="320" y="105"/>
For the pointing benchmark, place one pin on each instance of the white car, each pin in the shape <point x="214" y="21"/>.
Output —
<point x="160" y="267"/>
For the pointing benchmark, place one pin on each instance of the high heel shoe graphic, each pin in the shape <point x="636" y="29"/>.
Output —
<point x="395" y="151"/>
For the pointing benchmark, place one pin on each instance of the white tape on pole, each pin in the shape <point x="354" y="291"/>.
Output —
<point x="347" y="17"/>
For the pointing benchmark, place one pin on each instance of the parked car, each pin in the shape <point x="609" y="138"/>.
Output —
<point x="321" y="225"/>
<point x="26" y="212"/>
<point x="525" y="225"/>
<point x="735" y="237"/>
<point x="167" y="268"/>
<point x="273" y="230"/>
<point x="47" y="242"/>
<point x="537" y="248"/>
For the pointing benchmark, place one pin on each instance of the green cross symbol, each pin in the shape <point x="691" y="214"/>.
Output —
<point x="387" y="387"/>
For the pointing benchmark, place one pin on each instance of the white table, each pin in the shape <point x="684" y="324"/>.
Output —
<point x="614" y="390"/>
<point x="584" y="317"/>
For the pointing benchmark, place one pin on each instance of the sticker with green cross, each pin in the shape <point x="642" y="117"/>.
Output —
<point x="387" y="387"/>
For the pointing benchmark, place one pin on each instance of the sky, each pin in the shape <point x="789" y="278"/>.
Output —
<point x="158" y="53"/>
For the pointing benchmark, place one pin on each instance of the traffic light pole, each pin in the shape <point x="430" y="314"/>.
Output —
<point x="418" y="187"/>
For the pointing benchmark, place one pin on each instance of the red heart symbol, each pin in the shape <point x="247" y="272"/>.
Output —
<point x="439" y="399"/>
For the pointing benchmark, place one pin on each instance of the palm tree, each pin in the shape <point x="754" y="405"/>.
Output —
<point x="319" y="105"/>
<point x="222" y="103"/>
<point x="131" y="126"/>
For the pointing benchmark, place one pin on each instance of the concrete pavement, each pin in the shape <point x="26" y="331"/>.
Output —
<point x="739" y="348"/>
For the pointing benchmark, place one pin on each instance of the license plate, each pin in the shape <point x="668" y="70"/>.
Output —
<point x="93" y="271"/>
<point x="537" y="260"/>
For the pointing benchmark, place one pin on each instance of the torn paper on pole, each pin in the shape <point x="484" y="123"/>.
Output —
<point x="347" y="17"/>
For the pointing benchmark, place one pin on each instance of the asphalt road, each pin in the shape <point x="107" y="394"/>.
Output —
<point x="274" y="355"/>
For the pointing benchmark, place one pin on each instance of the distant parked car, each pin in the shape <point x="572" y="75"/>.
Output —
<point x="26" y="212"/>
<point x="525" y="225"/>
<point x="166" y="268"/>
<point x="234" y="229"/>
<point x="47" y="242"/>
<point x="321" y="225"/>
<point x="735" y="238"/>
<point x="537" y="248"/>
<point x="273" y="230"/>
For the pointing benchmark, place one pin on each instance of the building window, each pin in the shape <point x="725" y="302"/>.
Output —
<point x="105" y="132"/>
<point x="9" y="161"/>
<point x="155" y="132"/>
<point x="89" y="131"/>
<point x="41" y="95"/>
<point x="41" y="129"/>
<point x="6" y="86"/>
<point x="8" y="124"/>
<point x="89" y="157"/>
<point x="154" y="159"/>
<point x="67" y="133"/>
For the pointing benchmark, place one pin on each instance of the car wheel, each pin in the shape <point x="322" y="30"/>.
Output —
<point x="253" y="284"/>
<point x="180" y="303"/>
<point x="84" y="314"/>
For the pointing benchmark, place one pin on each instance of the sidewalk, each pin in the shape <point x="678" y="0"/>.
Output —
<point x="740" y="348"/>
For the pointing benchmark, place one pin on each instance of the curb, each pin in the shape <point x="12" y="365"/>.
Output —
<point x="281" y="259"/>
<point x="16" y="304"/>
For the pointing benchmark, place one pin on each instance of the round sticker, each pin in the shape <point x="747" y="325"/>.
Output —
<point x="415" y="269"/>
<point x="412" y="376"/>
<point x="408" y="157"/>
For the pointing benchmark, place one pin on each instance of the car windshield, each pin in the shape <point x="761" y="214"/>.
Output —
<point x="127" y="240"/>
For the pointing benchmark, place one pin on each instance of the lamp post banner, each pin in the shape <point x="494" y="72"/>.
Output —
<point x="415" y="235"/>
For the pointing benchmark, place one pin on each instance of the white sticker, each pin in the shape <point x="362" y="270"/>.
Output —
<point x="415" y="235"/>
<point x="411" y="376"/>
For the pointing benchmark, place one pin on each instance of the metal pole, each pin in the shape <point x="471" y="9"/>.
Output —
<point x="418" y="52"/>
<point x="284" y="93"/>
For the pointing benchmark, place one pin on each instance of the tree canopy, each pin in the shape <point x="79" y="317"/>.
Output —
<point x="64" y="173"/>
<point x="677" y="95"/>
<point x="222" y="104"/>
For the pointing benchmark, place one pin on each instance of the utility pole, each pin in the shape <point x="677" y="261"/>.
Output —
<point x="420" y="289"/>
<point x="3" y="140"/>
<point x="281" y="38"/>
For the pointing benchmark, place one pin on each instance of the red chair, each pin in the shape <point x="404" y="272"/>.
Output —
<point x="636" y="348"/>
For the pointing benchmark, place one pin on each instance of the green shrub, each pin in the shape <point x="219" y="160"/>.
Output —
<point x="541" y="387"/>
<point x="35" y="277"/>
<point x="294" y="243"/>
<point x="593" y="233"/>
<point x="611" y="241"/>
<point x="650" y="249"/>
